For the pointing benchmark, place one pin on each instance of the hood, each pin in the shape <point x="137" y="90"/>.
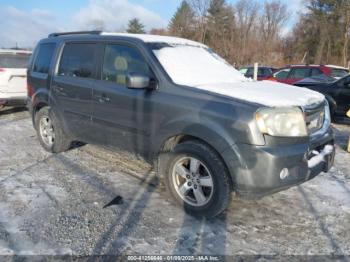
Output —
<point x="268" y="93"/>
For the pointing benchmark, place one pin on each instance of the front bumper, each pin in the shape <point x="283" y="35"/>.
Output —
<point x="263" y="170"/>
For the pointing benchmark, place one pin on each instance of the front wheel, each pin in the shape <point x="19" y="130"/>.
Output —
<point x="198" y="179"/>
<point x="50" y="132"/>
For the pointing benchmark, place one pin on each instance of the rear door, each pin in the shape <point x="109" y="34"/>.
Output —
<point x="13" y="73"/>
<point x="71" y="88"/>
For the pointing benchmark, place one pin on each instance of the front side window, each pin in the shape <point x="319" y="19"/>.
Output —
<point x="44" y="57"/>
<point x="282" y="74"/>
<point x="121" y="60"/>
<point x="300" y="73"/>
<point x="78" y="60"/>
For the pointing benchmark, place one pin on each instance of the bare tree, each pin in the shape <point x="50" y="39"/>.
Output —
<point x="246" y="17"/>
<point x="200" y="8"/>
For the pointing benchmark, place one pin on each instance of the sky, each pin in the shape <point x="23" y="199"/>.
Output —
<point x="24" y="22"/>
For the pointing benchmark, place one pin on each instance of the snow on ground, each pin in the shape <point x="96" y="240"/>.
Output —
<point x="53" y="204"/>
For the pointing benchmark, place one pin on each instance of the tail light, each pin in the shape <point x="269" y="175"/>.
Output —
<point x="29" y="90"/>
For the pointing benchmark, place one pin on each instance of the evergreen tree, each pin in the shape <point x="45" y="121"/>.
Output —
<point x="182" y="22"/>
<point x="135" y="27"/>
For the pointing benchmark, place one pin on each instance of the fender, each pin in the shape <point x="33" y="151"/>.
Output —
<point x="216" y="136"/>
<point x="43" y="95"/>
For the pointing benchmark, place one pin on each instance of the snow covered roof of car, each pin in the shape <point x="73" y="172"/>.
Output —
<point x="14" y="51"/>
<point x="157" y="39"/>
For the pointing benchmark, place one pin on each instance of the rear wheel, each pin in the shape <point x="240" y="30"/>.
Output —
<point x="50" y="131"/>
<point x="198" y="179"/>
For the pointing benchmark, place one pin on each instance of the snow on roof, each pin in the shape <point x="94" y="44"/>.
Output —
<point x="14" y="51"/>
<point x="337" y="67"/>
<point x="158" y="39"/>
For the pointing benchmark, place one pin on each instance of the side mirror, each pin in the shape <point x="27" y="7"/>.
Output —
<point x="138" y="81"/>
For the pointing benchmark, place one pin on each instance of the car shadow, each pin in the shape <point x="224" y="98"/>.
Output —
<point x="341" y="137"/>
<point x="11" y="110"/>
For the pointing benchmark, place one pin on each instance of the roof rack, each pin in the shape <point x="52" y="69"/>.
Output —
<point x="96" y="32"/>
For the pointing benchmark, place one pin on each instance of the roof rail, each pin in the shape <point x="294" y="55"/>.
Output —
<point x="96" y="32"/>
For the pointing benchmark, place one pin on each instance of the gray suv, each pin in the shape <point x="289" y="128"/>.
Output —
<point x="207" y="129"/>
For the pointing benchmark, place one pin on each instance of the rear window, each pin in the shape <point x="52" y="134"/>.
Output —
<point x="14" y="60"/>
<point x="339" y="72"/>
<point x="43" y="59"/>
<point x="78" y="60"/>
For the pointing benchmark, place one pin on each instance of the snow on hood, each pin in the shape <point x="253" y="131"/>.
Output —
<point x="201" y="68"/>
<point x="266" y="93"/>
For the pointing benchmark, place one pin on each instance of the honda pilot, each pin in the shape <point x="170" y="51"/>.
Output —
<point x="208" y="130"/>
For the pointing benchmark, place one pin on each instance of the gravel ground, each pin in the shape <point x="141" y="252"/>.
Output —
<point x="53" y="204"/>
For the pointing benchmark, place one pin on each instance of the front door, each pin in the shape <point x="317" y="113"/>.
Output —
<point x="122" y="117"/>
<point x="72" y="87"/>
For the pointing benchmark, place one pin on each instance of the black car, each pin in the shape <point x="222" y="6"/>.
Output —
<point x="206" y="129"/>
<point x="264" y="72"/>
<point x="337" y="93"/>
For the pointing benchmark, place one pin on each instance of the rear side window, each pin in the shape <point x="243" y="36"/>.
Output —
<point x="14" y="60"/>
<point x="43" y="59"/>
<point x="120" y="60"/>
<point x="78" y="60"/>
<point x="300" y="73"/>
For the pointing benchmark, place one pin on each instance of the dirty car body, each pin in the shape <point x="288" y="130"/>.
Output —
<point x="177" y="105"/>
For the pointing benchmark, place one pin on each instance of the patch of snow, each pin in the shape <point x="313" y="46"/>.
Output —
<point x="321" y="156"/>
<point x="200" y="68"/>
<point x="158" y="39"/>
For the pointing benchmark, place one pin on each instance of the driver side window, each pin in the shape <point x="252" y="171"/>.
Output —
<point x="121" y="60"/>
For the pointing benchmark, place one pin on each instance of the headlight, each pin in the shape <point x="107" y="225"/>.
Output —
<point x="284" y="122"/>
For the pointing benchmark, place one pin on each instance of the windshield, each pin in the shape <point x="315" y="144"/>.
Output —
<point x="14" y="60"/>
<point x="195" y="65"/>
<point x="339" y="72"/>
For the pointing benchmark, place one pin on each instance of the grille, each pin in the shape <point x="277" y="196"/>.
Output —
<point x="315" y="117"/>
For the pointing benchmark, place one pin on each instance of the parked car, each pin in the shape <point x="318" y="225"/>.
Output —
<point x="295" y="73"/>
<point x="337" y="93"/>
<point x="207" y="129"/>
<point x="13" y="73"/>
<point x="264" y="73"/>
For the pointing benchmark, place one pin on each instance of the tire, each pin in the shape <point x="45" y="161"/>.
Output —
<point x="60" y="142"/>
<point x="210" y="165"/>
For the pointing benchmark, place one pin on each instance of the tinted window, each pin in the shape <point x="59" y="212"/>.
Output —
<point x="339" y="72"/>
<point x="43" y="59"/>
<point x="282" y="74"/>
<point x="300" y="73"/>
<point x="14" y="60"/>
<point x="78" y="60"/>
<point x="243" y="70"/>
<point x="119" y="61"/>
<point x="262" y="72"/>
<point x="316" y="72"/>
